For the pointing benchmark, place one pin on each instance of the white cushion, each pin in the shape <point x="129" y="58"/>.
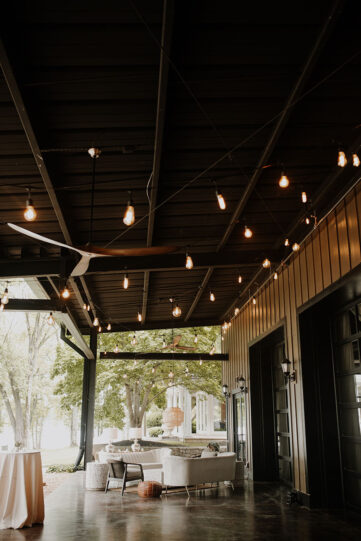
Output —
<point x="206" y="453"/>
<point x="181" y="471"/>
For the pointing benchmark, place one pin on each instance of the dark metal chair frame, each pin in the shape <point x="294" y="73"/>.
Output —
<point x="119" y="470"/>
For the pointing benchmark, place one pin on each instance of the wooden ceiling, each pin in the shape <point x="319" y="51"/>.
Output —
<point x="170" y="88"/>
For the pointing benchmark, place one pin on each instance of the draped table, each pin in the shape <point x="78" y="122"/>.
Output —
<point x="21" y="489"/>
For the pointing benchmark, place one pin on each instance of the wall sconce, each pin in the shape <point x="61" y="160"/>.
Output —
<point x="241" y="382"/>
<point x="226" y="393"/>
<point x="286" y="369"/>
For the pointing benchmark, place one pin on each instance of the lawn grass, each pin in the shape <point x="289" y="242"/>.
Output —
<point x="67" y="455"/>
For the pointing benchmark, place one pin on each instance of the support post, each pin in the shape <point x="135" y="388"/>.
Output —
<point x="90" y="366"/>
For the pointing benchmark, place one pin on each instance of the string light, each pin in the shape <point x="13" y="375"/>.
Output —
<point x="248" y="233"/>
<point x="88" y="308"/>
<point x="134" y="340"/>
<point x="342" y="160"/>
<point x="109" y="327"/>
<point x="116" y="349"/>
<point x="283" y="181"/>
<point x="304" y="197"/>
<point x="221" y="201"/>
<point x="5" y="297"/>
<point x="129" y="215"/>
<point x="213" y="349"/>
<point x="65" y="293"/>
<point x="295" y="247"/>
<point x="84" y="306"/>
<point x="275" y="276"/>
<point x="126" y="281"/>
<point x="163" y="345"/>
<point x="189" y="262"/>
<point x="30" y="213"/>
<point x="139" y="317"/>
<point x="187" y="369"/>
<point x="236" y="311"/>
<point x="96" y="322"/>
<point x="99" y="329"/>
<point x="195" y="338"/>
<point x="94" y="152"/>
<point x="239" y="279"/>
<point x="355" y="160"/>
<point x="287" y="242"/>
<point x="307" y="221"/>
<point x="266" y="264"/>
<point x="254" y="300"/>
<point x="50" y="320"/>
<point x="200" y="362"/>
<point x="176" y="311"/>
<point x="212" y="298"/>
<point x="2" y="307"/>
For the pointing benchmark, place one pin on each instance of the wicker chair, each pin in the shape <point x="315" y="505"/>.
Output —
<point x="125" y="471"/>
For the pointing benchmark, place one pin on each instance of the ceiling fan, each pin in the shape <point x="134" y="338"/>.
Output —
<point x="175" y="344"/>
<point x="91" y="250"/>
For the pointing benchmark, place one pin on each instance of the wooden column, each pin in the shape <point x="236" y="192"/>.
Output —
<point x="89" y="397"/>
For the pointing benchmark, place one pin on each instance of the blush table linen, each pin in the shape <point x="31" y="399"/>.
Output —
<point x="21" y="489"/>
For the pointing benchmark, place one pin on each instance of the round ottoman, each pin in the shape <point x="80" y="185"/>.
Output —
<point x="149" y="489"/>
<point x="96" y="476"/>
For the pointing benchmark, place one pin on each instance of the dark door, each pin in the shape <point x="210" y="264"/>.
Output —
<point x="282" y="416"/>
<point x="240" y="426"/>
<point x="271" y="448"/>
<point x="347" y="369"/>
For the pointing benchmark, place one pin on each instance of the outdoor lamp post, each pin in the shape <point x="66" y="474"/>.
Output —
<point x="227" y="395"/>
<point x="286" y="369"/>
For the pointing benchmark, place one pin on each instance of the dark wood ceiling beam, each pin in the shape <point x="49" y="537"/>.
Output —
<point x="132" y="326"/>
<point x="37" y="305"/>
<point x="40" y="267"/>
<point x="167" y="28"/>
<point x="39" y="160"/>
<point x="275" y="135"/>
<point x="133" y="355"/>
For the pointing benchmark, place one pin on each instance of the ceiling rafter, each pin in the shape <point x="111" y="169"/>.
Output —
<point x="321" y="41"/>
<point x="167" y="28"/>
<point x="39" y="160"/>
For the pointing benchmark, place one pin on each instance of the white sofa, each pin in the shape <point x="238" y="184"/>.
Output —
<point x="151" y="461"/>
<point x="183" y="471"/>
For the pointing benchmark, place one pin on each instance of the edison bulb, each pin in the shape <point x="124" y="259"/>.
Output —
<point x="342" y="160"/>
<point x="129" y="215"/>
<point x="5" y="297"/>
<point x="30" y="213"/>
<point x="239" y="279"/>
<point x="295" y="247"/>
<point x="254" y="300"/>
<point x="287" y="242"/>
<point x="247" y="232"/>
<point x="221" y="201"/>
<point x="126" y="282"/>
<point x="109" y="327"/>
<point x="212" y="298"/>
<point x="189" y="262"/>
<point x="266" y="263"/>
<point x="176" y="311"/>
<point x="139" y="317"/>
<point x="116" y="349"/>
<point x="196" y="339"/>
<point x="96" y="322"/>
<point x="236" y="311"/>
<point x="50" y="320"/>
<point x="275" y="276"/>
<point x="304" y="197"/>
<point x="283" y="181"/>
<point x="65" y="293"/>
<point x="355" y="160"/>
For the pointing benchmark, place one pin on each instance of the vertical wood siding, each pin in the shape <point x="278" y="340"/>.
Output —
<point x="328" y="255"/>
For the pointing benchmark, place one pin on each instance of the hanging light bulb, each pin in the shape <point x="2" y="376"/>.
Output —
<point x="5" y="297"/>
<point x="129" y="215"/>
<point x="2" y="307"/>
<point x="221" y="201"/>
<point x="189" y="262"/>
<point x="176" y="311"/>
<point x="283" y="181"/>
<point x="187" y="369"/>
<point x="116" y="349"/>
<point x="196" y="338"/>
<point x="247" y="232"/>
<point x="254" y="300"/>
<point x="84" y="306"/>
<point x="96" y="322"/>
<point x="30" y="213"/>
<point x="355" y="160"/>
<point x="212" y="298"/>
<point x="135" y="363"/>
<point x="239" y="279"/>
<point x="109" y="327"/>
<point x="236" y="311"/>
<point x="230" y="323"/>
<point x="201" y="362"/>
<point x="153" y="370"/>
<point x="50" y="320"/>
<point x="94" y="152"/>
<point x="266" y="264"/>
<point x="171" y="375"/>
<point x="139" y="317"/>
<point x="287" y="242"/>
<point x="213" y="350"/>
<point x="275" y="276"/>
<point x="134" y="340"/>
<point x="88" y="308"/>
<point x="304" y="197"/>
<point x="295" y="247"/>
<point x="307" y="220"/>
<point x="341" y="160"/>
<point x="126" y="281"/>
<point x="65" y="293"/>
<point x="164" y="343"/>
<point x="99" y="329"/>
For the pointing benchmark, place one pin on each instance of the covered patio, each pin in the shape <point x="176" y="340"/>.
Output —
<point x="171" y="165"/>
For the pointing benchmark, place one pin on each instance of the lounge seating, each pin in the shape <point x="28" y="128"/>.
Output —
<point x="151" y="461"/>
<point x="118" y="469"/>
<point x="182" y="471"/>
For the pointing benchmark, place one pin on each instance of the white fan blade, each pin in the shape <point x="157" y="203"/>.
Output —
<point x="82" y="265"/>
<point x="45" y="239"/>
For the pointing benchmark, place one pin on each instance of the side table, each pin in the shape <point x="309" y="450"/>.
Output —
<point x="96" y="475"/>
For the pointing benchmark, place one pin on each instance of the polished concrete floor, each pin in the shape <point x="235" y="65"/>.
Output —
<point x="254" y="512"/>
